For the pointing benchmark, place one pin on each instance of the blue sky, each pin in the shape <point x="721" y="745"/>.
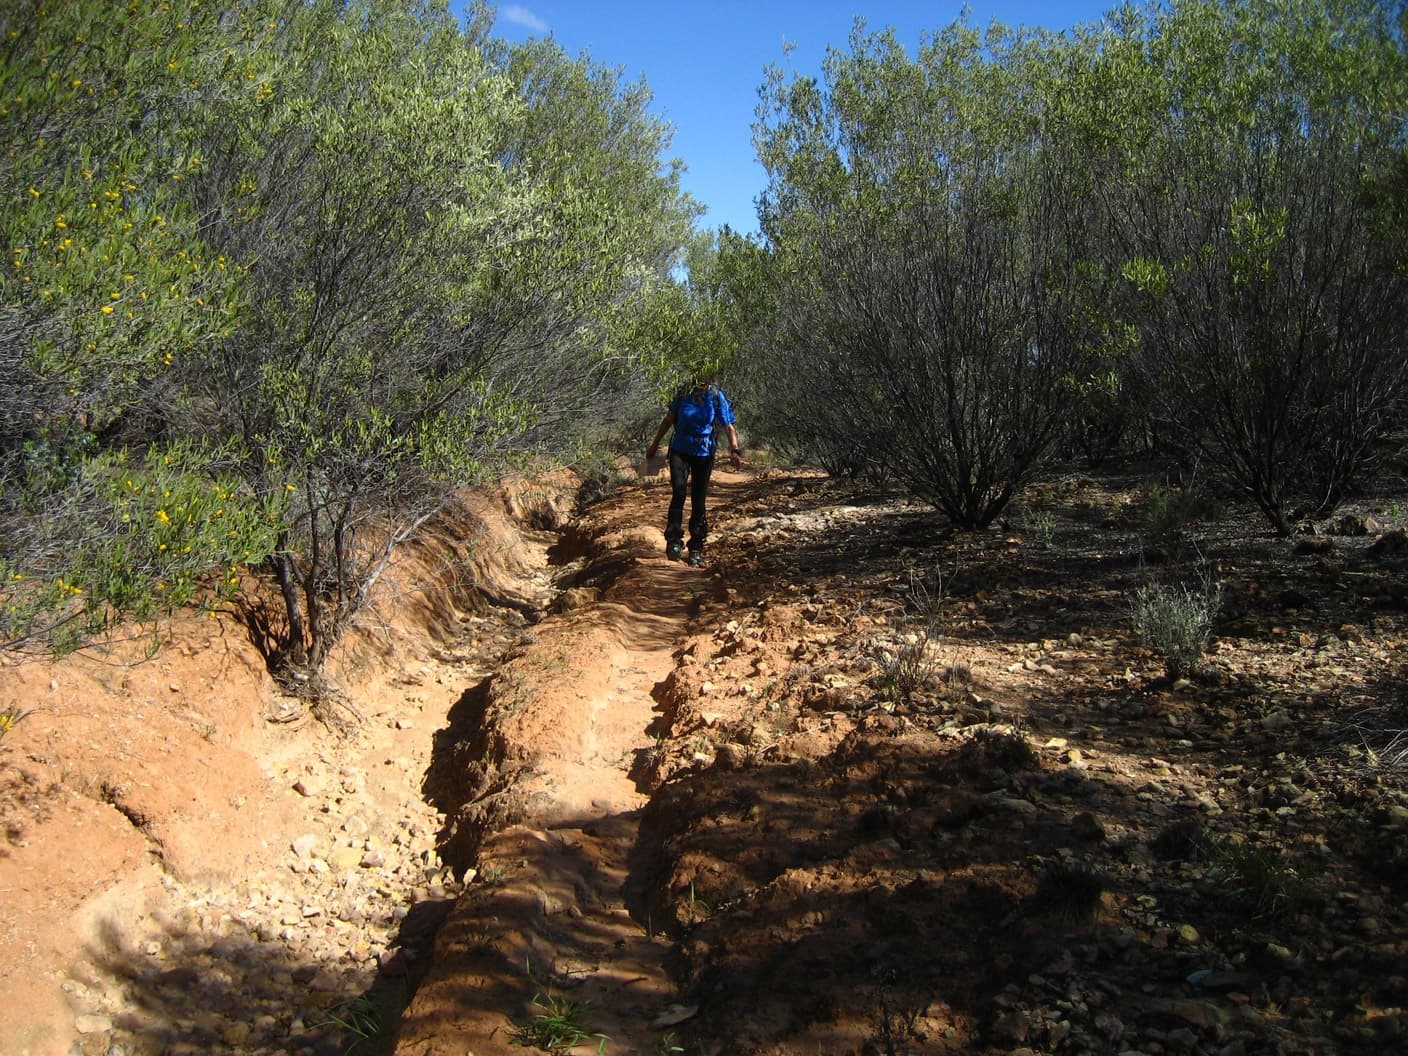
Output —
<point x="705" y="61"/>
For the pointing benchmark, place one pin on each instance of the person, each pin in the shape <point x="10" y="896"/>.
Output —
<point x="697" y="414"/>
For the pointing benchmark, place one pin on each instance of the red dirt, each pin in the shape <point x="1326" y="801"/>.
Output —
<point x="700" y="810"/>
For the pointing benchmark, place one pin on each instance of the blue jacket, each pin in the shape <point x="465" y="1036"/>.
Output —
<point x="697" y="416"/>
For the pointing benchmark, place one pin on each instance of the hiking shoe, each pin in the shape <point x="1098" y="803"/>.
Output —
<point x="696" y="559"/>
<point x="673" y="551"/>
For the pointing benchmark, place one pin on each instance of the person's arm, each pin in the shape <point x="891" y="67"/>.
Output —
<point x="665" y="424"/>
<point x="735" y="452"/>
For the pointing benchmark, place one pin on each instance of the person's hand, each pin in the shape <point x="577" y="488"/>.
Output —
<point x="736" y="457"/>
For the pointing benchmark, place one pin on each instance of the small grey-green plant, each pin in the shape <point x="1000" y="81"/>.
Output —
<point x="667" y="1043"/>
<point x="915" y="665"/>
<point x="557" y="1026"/>
<point x="695" y="906"/>
<point x="910" y="669"/>
<point x="1041" y="526"/>
<point x="1176" y="622"/>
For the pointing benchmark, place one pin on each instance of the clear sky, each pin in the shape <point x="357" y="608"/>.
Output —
<point x="704" y="62"/>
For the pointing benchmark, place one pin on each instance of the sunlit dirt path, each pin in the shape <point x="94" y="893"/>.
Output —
<point x="557" y="920"/>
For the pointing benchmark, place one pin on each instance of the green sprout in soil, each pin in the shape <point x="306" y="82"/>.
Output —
<point x="558" y="1026"/>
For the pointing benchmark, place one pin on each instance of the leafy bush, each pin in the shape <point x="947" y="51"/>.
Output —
<point x="1165" y="514"/>
<point x="1175" y="622"/>
<point x="129" y="537"/>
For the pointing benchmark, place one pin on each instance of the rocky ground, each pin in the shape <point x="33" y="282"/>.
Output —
<point x="862" y="785"/>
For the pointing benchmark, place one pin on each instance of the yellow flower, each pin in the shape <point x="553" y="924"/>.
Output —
<point x="107" y="309"/>
<point x="162" y="517"/>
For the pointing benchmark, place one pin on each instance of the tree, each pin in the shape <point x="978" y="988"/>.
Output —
<point x="108" y="284"/>
<point x="339" y="258"/>
<point x="1269" y="294"/>
<point x="437" y="233"/>
<point x="926" y="245"/>
<point x="612" y="229"/>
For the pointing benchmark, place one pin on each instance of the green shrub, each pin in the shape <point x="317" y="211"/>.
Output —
<point x="600" y="476"/>
<point x="1166" y="514"/>
<point x="130" y="537"/>
<point x="1175" y="622"/>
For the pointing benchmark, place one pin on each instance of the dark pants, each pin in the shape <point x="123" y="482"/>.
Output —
<point x="690" y="471"/>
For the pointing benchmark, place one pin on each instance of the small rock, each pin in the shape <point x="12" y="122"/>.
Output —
<point x="1012" y="804"/>
<point x="236" y="1035"/>
<point x="92" y="1024"/>
<point x="731" y="756"/>
<point x="1199" y="1013"/>
<point x="304" y="846"/>
<point x="674" y="1015"/>
<point x="1394" y="542"/>
<point x="1183" y="1038"/>
<point x="342" y="858"/>
<point x="1011" y="1027"/>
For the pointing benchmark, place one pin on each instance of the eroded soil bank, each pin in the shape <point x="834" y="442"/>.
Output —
<point x="190" y="864"/>
<point x="895" y="790"/>
<point x="859" y="786"/>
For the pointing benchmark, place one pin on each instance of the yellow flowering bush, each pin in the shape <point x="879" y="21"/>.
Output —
<point x="153" y="535"/>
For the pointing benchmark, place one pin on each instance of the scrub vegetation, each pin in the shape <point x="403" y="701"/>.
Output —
<point x="283" y="274"/>
<point x="1179" y="230"/>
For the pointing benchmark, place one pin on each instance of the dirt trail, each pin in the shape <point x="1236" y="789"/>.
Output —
<point x="561" y="915"/>
<point x="867" y="786"/>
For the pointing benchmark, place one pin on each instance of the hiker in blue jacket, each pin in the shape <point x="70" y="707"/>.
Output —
<point x="697" y="414"/>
